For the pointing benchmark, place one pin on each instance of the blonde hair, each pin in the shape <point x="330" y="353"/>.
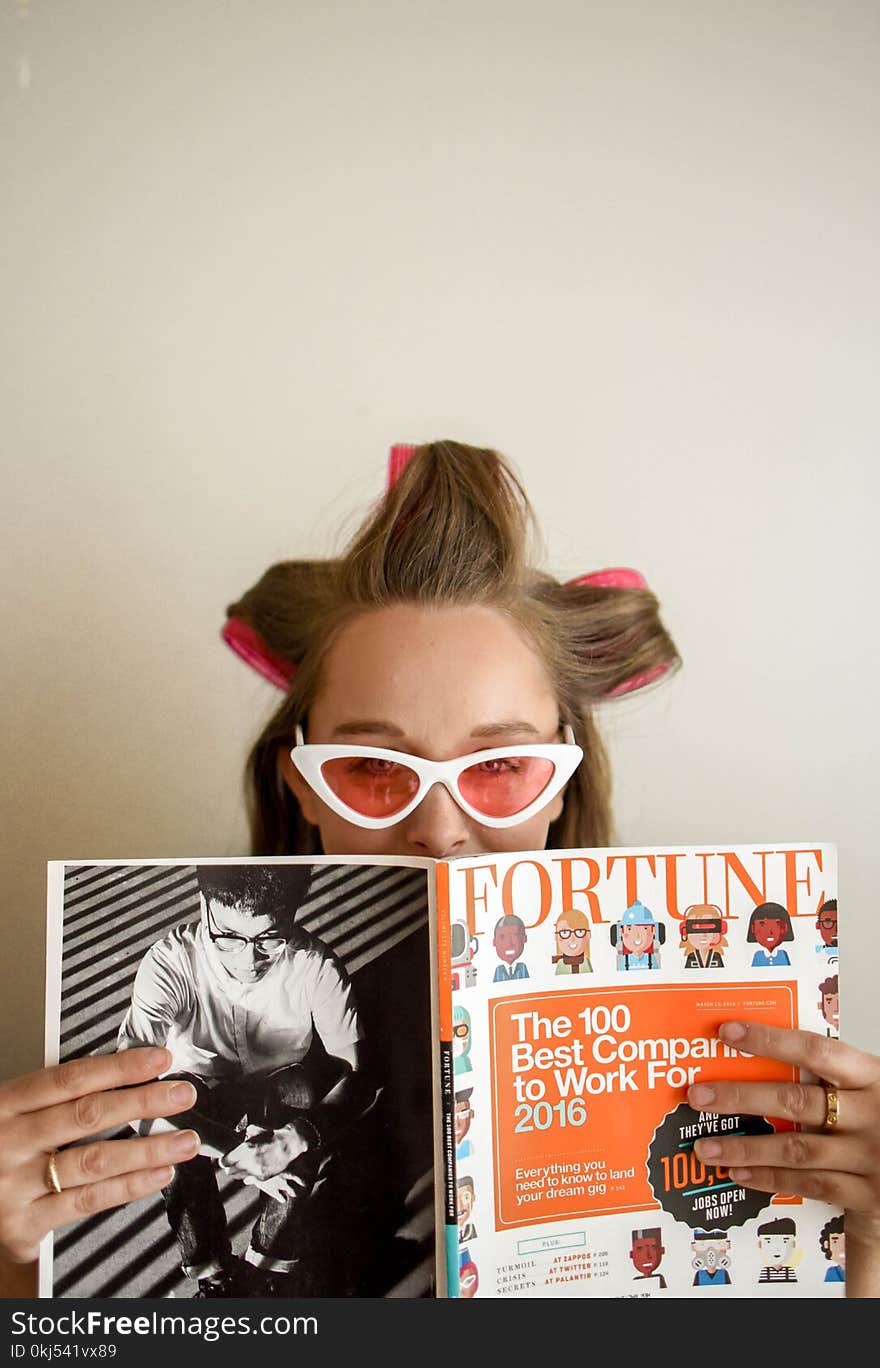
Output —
<point x="577" y="920"/>
<point x="455" y="528"/>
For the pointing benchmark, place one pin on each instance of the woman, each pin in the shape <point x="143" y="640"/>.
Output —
<point x="433" y="636"/>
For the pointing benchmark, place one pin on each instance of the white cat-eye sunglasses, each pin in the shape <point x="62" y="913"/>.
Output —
<point x="375" y="788"/>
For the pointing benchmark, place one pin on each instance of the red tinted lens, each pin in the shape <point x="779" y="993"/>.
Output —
<point x="506" y="784"/>
<point x="372" y="787"/>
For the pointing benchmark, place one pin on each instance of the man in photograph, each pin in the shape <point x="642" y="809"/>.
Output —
<point x="260" y="1017"/>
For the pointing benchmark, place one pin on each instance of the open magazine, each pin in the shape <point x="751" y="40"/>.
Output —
<point x="524" y="1026"/>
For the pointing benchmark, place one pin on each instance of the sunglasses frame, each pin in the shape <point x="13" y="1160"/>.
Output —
<point x="566" y="755"/>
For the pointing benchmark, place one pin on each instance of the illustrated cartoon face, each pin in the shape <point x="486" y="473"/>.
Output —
<point x="831" y="1009"/>
<point x="704" y="940"/>
<point x="465" y="1202"/>
<point x="826" y="925"/>
<point x="647" y="1251"/>
<point x="711" y="1254"/>
<point x="837" y="1247"/>
<point x="468" y="1279"/>
<point x="769" y="931"/>
<point x="571" y="940"/>
<point x="775" y="1250"/>
<point x="509" y="942"/>
<point x="637" y="940"/>
<point x="463" y="1115"/>
<point x="461" y="1031"/>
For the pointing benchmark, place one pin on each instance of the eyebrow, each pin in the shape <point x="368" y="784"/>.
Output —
<point x="377" y="726"/>
<point x="366" y="727"/>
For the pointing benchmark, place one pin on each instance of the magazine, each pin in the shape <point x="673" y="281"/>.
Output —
<point x="527" y="1025"/>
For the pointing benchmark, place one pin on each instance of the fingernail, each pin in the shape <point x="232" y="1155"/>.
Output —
<point x="155" y="1057"/>
<point x="701" y="1095"/>
<point x="740" y="1175"/>
<point x="707" y="1149"/>
<point x="732" y="1030"/>
<point x="183" y="1093"/>
<point x="187" y="1142"/>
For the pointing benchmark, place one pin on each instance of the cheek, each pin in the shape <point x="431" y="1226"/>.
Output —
<point x="339" y="837"/>
<point x="530" y="835"/>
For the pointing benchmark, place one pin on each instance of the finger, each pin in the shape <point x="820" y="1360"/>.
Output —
<point x="847" y="1190"/>
<point x="237" y="1171"/>
<point x="78" y="1077"/>
<point x="803" y="1103"/>
<point x="52" y="1212"/>
<point x="834" y="1060"/>
<point x="235" y="1160"/>
<point x="95" y="1112"/>
<point x="788" y="1150"/>
<point x="239" y="1161"/>
<point x="280" y="1187"/>
<point x="270" y="1186"/>
<point x="103" y="1159"/>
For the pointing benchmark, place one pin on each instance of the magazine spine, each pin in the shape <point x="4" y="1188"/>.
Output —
<point x="447" y="1087"/>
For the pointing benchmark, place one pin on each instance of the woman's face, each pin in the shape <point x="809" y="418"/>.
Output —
<point x="439" y="683"/>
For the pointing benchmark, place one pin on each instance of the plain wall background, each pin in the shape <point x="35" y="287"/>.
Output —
<point x="248" y="244"/>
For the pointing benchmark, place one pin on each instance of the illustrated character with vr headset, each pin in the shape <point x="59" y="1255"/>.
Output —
<point x="260" y="1018"/>
<point x="703" y="936"/>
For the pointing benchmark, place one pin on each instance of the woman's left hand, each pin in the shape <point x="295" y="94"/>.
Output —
<point x="839" y="1165"/>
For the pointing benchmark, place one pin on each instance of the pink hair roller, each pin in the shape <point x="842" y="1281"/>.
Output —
<point x="252" y="648"/>
<point x="621" y="577"/>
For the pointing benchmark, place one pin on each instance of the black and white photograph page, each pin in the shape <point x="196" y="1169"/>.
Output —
<point x="294" y="999"/>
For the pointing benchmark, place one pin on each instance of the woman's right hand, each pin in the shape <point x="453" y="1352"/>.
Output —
<point x="62" y="1106"/>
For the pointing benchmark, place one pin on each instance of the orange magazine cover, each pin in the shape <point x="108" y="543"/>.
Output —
<point x="585" y="990"/>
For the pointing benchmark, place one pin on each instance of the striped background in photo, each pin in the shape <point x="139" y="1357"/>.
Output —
<point x="112" y="914"/>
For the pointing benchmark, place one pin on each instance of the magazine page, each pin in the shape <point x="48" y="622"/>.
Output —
<point x="265" y="979"/>
<point x="586" y="990"/>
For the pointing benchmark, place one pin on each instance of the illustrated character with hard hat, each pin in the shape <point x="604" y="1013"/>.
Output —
<point x="637" y="938"/>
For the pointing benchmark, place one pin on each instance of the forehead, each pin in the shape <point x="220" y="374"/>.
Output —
<point x="239" y="919"/>
<point x="396" y="664"/>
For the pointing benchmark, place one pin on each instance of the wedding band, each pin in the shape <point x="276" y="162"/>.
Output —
<point x="832" y="1108"/>
<point x="53" y="1182"/>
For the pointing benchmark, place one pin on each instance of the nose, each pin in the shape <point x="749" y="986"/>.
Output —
<point x="437" y="827"/>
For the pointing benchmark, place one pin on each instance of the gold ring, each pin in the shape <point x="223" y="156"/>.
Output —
<point x="832" y="1108"/>
<point x="53" y="1182"/>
